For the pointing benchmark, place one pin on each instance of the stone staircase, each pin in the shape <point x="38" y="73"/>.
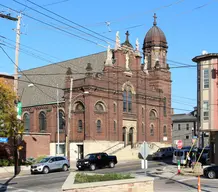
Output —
<point x="117" y="147"/>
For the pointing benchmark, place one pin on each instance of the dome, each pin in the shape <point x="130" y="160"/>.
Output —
<point x="155" y="36"/>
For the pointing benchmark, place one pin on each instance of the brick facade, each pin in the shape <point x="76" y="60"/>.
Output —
<point x="101" y="114"/>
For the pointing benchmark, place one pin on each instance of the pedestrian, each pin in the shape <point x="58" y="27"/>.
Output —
<point x="188" y="160"/>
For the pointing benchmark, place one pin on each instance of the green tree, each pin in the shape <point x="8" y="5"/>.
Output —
<point x="9" y="124"/>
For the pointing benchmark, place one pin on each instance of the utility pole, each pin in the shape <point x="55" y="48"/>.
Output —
<point x="58" y="128"/>
<point x="69" y="120"/>
<point x="9" y="17"/>
<point x="17" y="54"/>
<point x="18" y="19"/>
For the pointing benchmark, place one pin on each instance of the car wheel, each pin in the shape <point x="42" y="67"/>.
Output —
<point x="32" y="173"/>
<point x="111" y="164"/>
<point x="211" y="174"/>
<point x="65" y="168"/>
<point x="45" y="170"/>
<point x="92" y="167"/>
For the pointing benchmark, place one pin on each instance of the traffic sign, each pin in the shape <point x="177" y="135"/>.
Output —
<point x="3" y="139"/>
<point x="179" y="144"/>
<point x="144" y="150"/>
<point x="19" y="110"/>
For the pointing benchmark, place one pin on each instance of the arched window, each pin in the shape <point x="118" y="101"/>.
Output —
<point x="26" y="120"/>
<point x="152" y="114"/>
<point x="42" y="121"/>
<point x="80" y="126"/>
<point x="115" y="108"/>
<point x="143" y="128"/>
<point x="129" y="101"/>
<point x="79" y="107"/>
<point x="152" y="130"/>
<point x="165" y="130"/>
<point x="99" y="107"/>
<point x="124" y="100"/>
<point x="165" y="107"/>
<point x="98" y="127"/>
<point x="115" y="126"/>
<point x="61" y="120"/>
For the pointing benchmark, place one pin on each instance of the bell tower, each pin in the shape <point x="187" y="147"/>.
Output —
<point x="155" y="47"/>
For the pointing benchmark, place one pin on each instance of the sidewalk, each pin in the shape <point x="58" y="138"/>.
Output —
<point x="167" y="172"/>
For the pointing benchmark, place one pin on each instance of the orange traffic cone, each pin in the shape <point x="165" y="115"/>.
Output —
<point x="199" y="184"/>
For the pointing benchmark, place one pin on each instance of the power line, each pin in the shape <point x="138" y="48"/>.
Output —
<point x="85" y="39"/>
<point x="31" y="48"/>
<point x="24" y="73"/>
<point x="77" y="35"/>
<point x="140" y="25"/>
<point x="139" y="14"/>
<point x="71" y="21"/>
<point x="59" y="20"/>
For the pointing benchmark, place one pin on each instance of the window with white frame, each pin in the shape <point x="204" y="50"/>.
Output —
<point x="61" y="148"/>
<point x="206" y="78"/>
<point x="206" y="110"/>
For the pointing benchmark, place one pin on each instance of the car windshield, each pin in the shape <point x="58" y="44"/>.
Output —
<point x="44" y="160"/>
<point x="89" y="156"/>
<point x="160" y="150"/>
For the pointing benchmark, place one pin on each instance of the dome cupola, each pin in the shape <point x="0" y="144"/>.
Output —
<point x="155" y="37"/>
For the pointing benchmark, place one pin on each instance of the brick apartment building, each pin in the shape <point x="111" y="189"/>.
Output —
<point x="127" y="100"/>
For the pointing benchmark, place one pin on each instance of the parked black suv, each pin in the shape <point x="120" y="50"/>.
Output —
<point x="96" y="160"/>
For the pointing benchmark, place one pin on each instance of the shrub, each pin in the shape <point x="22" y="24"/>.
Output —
<point x="84" y="178"/>
<point x="4" y="162"/>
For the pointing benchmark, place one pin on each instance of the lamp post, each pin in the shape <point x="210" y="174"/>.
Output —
<point x="69" y="118"/>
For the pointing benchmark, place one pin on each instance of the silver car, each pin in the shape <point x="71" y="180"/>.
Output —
<point x="48" y="164"/>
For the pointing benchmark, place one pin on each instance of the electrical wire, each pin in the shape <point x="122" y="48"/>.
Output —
<point x="71" y="21"/>
<point x="126" y="48"/>
<point x="24" y="73"/>
<point x="50" y="25"/>
<point x="60" y="21"/>
<point x="140" y="25"/>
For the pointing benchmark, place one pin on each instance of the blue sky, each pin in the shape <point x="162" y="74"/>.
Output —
<point x="189" y="25"/>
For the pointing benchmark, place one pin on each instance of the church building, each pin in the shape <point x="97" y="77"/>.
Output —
<point x="102" y="102"/>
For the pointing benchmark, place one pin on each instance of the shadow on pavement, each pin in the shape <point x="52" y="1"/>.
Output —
<point x="171" y="180"/>
<point x="4" y="186"/>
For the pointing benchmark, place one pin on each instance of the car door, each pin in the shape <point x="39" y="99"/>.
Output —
<point x="59" y="162"/>
<point x="104" y="160"/>
<point x="53" y="163"/>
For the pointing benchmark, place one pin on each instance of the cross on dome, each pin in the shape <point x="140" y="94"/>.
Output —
<point x="155" y="17"/>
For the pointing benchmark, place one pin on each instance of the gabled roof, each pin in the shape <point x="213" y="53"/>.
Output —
<point x="54" y="74"/>
<point x="183" y="118"/>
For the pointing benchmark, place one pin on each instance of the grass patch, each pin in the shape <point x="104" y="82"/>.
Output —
<point x="85" y="178"/>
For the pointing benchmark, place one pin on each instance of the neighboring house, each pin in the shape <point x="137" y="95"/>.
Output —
<point x="207" y="89"/>
<point x="184" y="128"/>
<point x="8" y="79"/>
<point x="128" y="101"/>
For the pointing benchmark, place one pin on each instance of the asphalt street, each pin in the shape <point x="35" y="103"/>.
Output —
<point x="53" y="182"/>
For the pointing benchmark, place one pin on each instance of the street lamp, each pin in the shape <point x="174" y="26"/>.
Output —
<point x="69" y="117"/>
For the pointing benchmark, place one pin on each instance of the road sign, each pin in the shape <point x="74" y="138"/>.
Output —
<point x="3" y="139"/>
<point x="179" y="144"/>
<point x="19" y="110"/>
<point x="144" y="150"/>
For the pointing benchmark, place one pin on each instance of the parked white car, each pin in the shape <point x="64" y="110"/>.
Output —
<point x="48" y="164"/>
